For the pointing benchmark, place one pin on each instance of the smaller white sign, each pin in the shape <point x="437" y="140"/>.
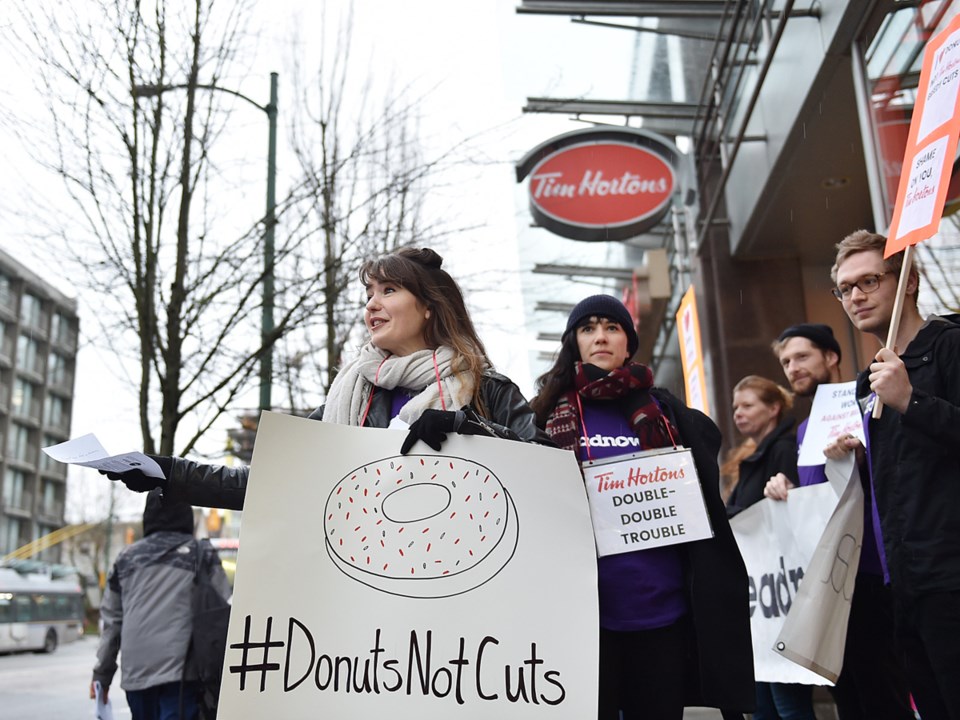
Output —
<point x="923" y="187"/>
<point x="645" y="500"/>
<point x="835" y="412"/>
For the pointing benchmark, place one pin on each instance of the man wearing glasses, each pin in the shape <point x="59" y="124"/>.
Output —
<point x="912" y="460"/>
<point x="872" y="685"/>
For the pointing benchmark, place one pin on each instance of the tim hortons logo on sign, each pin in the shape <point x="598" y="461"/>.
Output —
<point x="599" y="184"/>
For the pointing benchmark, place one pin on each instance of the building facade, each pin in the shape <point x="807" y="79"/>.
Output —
<point x="38" y="347"/>
<point x="795" y="116"/>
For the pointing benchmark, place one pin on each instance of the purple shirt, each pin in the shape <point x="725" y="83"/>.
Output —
<point x="398" y="398"/>
<point x="816" y="474"/>
<point x="643" y="589"/>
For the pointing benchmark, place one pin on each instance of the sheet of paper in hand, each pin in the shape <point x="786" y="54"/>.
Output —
<point x="86" y="450"/>
<point x="452" y="584"/>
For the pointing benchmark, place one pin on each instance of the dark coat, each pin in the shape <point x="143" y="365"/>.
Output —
<point x="720" y="660"/>
<point x="777" y="452"/>
<point x="507" y="413"/>
<point x="916" y="464"/>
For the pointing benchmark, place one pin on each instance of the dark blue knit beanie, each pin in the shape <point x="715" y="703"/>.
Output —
<point x="604" y="306"/>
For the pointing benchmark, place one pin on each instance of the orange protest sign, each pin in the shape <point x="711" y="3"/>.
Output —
<point x="691" y="354"/>
<point x="931" y="146"/>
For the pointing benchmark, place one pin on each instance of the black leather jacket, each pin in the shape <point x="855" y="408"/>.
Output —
<point x="507" y="415"/>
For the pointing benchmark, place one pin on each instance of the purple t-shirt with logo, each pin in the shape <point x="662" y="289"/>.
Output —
<point x="399" y="398"/>
<point x="638" y="590"/>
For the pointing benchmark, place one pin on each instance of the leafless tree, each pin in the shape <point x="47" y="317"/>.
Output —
<point x="364" y="176"/>
<point x="151" y="228"/>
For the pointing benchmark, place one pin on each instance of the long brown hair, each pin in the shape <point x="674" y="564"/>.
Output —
<point x="556" y="381"/>
<point x="419" y="271"/>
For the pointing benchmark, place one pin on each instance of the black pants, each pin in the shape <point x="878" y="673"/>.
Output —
<point x="641" y="673"/>
<point x="873" y="684"/>
<point x="928" y="644"/>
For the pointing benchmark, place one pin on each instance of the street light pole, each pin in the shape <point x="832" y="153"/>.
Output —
<point x="269" y="220"/>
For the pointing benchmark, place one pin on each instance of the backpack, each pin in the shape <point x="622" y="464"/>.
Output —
<point x="208" y="641"/>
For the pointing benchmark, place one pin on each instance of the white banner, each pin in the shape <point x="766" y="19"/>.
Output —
<point x="645" y="500"/>
<point x="815" y="631"/>
<point x="370" y="584"/>
<point x="777" y="539"/>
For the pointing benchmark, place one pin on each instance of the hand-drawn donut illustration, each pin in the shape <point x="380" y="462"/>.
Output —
<point x="421" y="526"/>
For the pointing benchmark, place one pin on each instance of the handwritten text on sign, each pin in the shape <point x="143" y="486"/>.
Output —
<point x="835" y="412"/>
<point x="645" y="500"/>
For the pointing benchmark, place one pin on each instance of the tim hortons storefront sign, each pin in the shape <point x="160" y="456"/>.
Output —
<point x="609" y="184"/>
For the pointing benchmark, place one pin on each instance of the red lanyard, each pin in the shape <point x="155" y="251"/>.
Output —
<point x="376" y="377"/>
<point x="583" y="424"/>
<point x="436" y="369"/>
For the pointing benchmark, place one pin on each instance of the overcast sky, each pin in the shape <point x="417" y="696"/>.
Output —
<point x="477" y="60"/>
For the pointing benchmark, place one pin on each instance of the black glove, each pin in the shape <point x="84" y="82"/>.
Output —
<point x="432" y="427"/>
<point x="138" y="482"/>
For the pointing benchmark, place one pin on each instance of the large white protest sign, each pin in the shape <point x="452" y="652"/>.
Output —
<point x="814" y="633"/>
<point x="433" y="585"/>
<point x="834" y="412"/>
<point x="644" y="500"/>
<point x="777" y="539"/>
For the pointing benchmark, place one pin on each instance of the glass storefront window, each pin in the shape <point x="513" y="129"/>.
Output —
<point x="893" y="59"/>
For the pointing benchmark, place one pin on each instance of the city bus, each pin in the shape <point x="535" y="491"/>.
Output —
<point x="38" y="612"/>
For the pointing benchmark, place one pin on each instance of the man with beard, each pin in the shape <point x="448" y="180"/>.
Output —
<point x="872" y="685"/>
<point x="810" y="356"/>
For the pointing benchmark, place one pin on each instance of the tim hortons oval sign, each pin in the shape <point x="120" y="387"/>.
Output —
<point x="603" y="188"/>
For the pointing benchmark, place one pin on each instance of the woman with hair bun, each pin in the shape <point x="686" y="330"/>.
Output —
<point x="770" y="447"/>
<point x="424" y="367"/>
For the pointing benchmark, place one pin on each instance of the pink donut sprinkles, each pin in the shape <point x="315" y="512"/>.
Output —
<point x="420" y="525"/>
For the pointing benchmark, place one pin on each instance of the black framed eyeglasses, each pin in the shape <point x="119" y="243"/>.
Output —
<point x="866" y="284"/>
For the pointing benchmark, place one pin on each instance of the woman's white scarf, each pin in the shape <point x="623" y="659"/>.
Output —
<point x="351" y="389"/>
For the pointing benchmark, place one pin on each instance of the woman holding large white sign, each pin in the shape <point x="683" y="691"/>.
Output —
<point x="674" y="625"/>
<point x="424" y="368"/>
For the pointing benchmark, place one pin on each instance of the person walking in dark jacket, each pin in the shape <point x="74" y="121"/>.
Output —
<point x="147" y="615"/>
<point x="674" y="620"/>
<point x="424" y="368"/>
<point x="912" y="462"/>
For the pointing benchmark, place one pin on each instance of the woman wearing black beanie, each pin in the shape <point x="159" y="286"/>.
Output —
<point x="674" y="620"/>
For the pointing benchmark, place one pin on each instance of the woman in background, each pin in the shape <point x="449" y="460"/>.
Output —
<point x="769" y="447"/>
